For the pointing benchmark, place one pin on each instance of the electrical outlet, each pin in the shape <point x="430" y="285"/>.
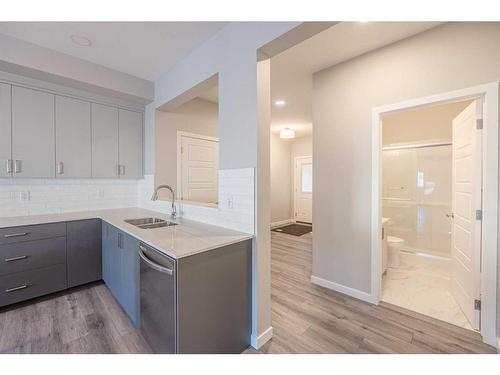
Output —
<point x="24" y="196"/>
<point x="230" y="202"/>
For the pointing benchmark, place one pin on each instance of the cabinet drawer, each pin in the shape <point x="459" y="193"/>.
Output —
<point x="24" y="256"/>
<point x="25" y="285"/>
<point x="31" y="232"/>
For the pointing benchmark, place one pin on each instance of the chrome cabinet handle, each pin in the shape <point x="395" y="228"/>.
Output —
<point x="9" y="166"/>
<point x="17" y="166"/>
<point x="153" y="265"/>
<point x="15" y="235"/>
<point x="9" y="290"/>
<point x="16" y="258"/>
<point x="60" y="167"/>
<point x="119" y="169"/>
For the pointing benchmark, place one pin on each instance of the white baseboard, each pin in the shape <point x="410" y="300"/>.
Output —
<point x="258" y="341"/>
<point x="281" y="223"/>
<point x="367" y="297"/>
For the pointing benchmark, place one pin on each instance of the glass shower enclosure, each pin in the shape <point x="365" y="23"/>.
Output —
<point x="416" y="196"/>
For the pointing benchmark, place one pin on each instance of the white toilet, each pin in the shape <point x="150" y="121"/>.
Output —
<point x="394" y="244"/>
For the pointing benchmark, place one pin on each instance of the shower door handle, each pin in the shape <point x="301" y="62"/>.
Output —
<point x="450" y="215"/>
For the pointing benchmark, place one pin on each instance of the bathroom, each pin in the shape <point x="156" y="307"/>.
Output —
<point x="417" y="210"/>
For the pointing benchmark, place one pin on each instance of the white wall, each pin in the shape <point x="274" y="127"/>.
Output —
<point x="281" y="193"/>
<point x="422" y="124"/>
<point x="449" y="57"/>
<point x="243" y="128"/>
<point x="31" y="60"/>
<point x="196" y="116"/>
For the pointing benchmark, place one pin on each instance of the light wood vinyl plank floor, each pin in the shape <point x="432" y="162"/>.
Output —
<point x="86" y="319"/>
<point x="306" y="319"/>
<point x="310" y="319"/>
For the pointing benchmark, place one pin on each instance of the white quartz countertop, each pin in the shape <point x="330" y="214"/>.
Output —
<point x="187" y="238"/>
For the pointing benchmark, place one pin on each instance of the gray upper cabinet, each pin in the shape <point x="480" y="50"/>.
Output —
<point x="73" y="138"/>
<point x="6" y="165"/>
<point x="33" y="140"/>
<point x="130" y="144"/>
<point x="104" y="141"/>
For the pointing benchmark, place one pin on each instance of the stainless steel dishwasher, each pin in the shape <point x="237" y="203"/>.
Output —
<point x="158" y="299"/>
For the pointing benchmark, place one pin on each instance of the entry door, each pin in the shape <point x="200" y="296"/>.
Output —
<point x="466" y="228"/>
<point x="303" y="189"/>
<point x="199" y="169"/>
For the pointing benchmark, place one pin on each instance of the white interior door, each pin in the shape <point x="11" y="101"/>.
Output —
<point x="466" y="229"/>
<point x="199" y="169"/>
<point x="303" y="189"/>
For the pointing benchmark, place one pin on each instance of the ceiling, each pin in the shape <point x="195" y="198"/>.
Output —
<point x="142" y="49"/>
<point x="291" y="71"/>
<point x="211" y="95"/>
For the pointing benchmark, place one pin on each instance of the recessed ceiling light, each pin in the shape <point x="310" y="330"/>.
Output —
<point x="81" y="40"/>
<point x="287" y="133"/>
<point x="279" y="103"/>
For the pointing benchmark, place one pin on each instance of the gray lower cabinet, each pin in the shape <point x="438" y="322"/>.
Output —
<point x="83" y="246"/>
<point x="197" y="304"/>
<point x="32" y="261"/>
<point x="120" y="269"/>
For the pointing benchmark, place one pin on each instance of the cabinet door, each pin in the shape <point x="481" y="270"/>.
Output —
<point x="104" y="141"/>
<point x="130" y="144"/>
<point x="73" y="147"/>
<point x="33" y="144"/>
<point x="83" y="248"/>
<point x="130" y="278"/>
<point x="111" y="259"/>
<point x="5" y="131"/>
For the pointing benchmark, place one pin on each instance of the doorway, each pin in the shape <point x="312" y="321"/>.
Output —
<point x="470" y="161"/>
<point x="302" y="201"/>
<point x="198" y="158"/>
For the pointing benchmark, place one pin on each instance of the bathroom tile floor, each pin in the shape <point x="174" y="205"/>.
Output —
<point x="422" y="284"/>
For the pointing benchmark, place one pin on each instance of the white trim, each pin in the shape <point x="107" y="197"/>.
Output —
<point x="258" y="342"/>
<point x="281" y="223"/>
<point x="367" y="297"/>
<point x="295" y="180"/>
<point x="490" y="194"/>
<point x="181" y="134"/>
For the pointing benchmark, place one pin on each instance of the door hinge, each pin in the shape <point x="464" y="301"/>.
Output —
<point x="479" y="214"/>
<point x="182" y="150"/>
<point x="479" y="123"/>
<point x="477" y="304"/>
<point x="383" y="233"/>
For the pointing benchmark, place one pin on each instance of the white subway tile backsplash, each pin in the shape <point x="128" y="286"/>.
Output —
<point x="66" y="195"/>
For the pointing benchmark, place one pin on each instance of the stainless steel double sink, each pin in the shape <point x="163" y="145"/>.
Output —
<point x="150" y="222"/>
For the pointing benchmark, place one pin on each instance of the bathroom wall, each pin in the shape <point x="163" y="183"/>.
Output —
<point x="416" y="196"/>
<point x="422" y="124"/>
<point x="196" y="116"/>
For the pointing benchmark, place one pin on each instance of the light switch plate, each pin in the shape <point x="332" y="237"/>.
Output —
<point x="24" y="196"/>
